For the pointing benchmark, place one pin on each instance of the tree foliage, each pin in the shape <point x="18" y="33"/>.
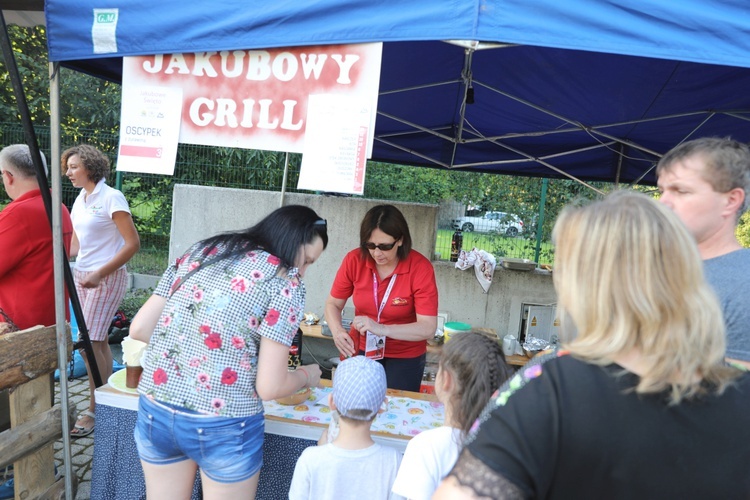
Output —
<point x="29" y="47"/>
<point x="420" y="185"/>
<point x="85" y="102"/>
<point x="743" y="230"/>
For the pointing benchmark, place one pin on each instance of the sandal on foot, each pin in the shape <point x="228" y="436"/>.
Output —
<point x="80" y="430"/>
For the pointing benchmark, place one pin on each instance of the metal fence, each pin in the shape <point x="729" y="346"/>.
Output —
<point x="150" y="195"/>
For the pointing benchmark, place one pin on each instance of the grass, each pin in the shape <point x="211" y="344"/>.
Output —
<point x="134" y="299"/>
<point x="150" y="260"/>
<point x="498" y="245"/>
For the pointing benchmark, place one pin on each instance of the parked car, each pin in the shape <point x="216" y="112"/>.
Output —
<point x="490" y="222"/>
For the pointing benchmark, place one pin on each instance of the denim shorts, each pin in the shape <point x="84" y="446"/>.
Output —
<point x="227" y="450"/>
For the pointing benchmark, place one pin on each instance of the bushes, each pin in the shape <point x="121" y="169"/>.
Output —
<point x="134" y="299"/>
<point x="743" y="230"/>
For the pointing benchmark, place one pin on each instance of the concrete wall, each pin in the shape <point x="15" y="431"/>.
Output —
<point x="199" y="212"/>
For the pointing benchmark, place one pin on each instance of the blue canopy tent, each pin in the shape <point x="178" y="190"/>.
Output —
<point x="590" y="89"/>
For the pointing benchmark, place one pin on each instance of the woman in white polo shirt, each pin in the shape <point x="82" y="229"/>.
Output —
<point x="104" y="240"/>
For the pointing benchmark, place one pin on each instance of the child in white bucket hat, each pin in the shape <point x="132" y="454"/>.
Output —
<point x="352" y="464"/>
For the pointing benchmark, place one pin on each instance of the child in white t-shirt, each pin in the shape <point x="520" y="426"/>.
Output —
<point x="471" y="368"/>
<point x="351" y="465"/>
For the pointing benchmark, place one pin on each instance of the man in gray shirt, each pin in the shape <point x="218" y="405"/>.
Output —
<point x="706" y="182"/>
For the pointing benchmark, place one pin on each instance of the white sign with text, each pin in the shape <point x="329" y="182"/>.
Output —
<point x="258" y="99"/>
<point x="149" y="129"/>
<point x="336" y="144"/>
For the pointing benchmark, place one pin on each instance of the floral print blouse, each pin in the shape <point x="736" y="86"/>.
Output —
<point x="203" y="354"/>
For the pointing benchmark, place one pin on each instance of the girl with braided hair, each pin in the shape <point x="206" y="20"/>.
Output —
<point x="471" y="368"/>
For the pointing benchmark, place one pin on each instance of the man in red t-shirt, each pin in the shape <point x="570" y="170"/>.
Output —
<point x="27" y="292"/>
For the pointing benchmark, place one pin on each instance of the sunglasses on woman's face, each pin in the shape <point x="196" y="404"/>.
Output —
<point x="383" y="247"/>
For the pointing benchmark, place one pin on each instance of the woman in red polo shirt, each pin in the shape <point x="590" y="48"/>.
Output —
<point x="395" y="299"/>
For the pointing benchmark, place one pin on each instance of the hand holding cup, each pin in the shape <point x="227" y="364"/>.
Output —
<point x="132" y="351"/>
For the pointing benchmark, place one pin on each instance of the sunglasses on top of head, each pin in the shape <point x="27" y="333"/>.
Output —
<point x="383" y="247"/>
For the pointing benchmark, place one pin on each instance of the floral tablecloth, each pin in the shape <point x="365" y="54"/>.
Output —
<point x="402" y="416"/>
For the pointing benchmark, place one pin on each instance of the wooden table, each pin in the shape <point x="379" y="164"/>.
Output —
<point x="517" y="360"/>
<point x="314" y="331"/>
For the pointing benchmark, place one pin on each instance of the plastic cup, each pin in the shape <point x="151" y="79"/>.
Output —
<point x="132" y="376"/>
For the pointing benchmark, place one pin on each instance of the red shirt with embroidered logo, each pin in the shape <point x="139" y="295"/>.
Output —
<point x="414" y="292"/>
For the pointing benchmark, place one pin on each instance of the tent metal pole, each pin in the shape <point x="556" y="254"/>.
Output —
<point x="739" y="117"/>
<point x="548" y="165"/>
<point x="467" y="89"/>
<point x="695" y="129"/>
<point x="577" y="125"/>
<point x="644" y="174"/>
<point x="415" y="153"/>
<point x="419" y="87"/>
<point x="54" y="217"/>
<point x="417" y="127"/>
<point x="41" y="176"/>
<point x="624" y="141"/>
<point x="59" y="260"/>
<point x="620" y="154"/>
<point x="577" y="128"/>
<point x="283" y="182"/>
<point x="540" y="221"/>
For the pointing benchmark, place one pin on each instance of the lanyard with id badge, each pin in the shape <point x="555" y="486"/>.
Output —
<point x="374" y="344"/>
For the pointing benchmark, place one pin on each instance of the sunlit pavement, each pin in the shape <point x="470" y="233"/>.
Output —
<point x="82" y="449"/>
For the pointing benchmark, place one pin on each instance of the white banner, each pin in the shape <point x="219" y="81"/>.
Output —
<point x="258" y="99"/>
<point x="336" y="144"/>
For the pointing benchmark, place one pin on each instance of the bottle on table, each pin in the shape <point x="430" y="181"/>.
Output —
<point x="295" y="351"/>
<point x="456" y="243"/>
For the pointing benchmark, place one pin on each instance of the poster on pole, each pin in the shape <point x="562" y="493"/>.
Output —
<point x="149" y="129"/>
<point x="336" y="144"/>
<point x="258" y="99"/>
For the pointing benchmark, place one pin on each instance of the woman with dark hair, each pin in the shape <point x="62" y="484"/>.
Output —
<point x="219" y="327"/>
<point x="395" y="299"/>
<point x="104" y="240"/>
